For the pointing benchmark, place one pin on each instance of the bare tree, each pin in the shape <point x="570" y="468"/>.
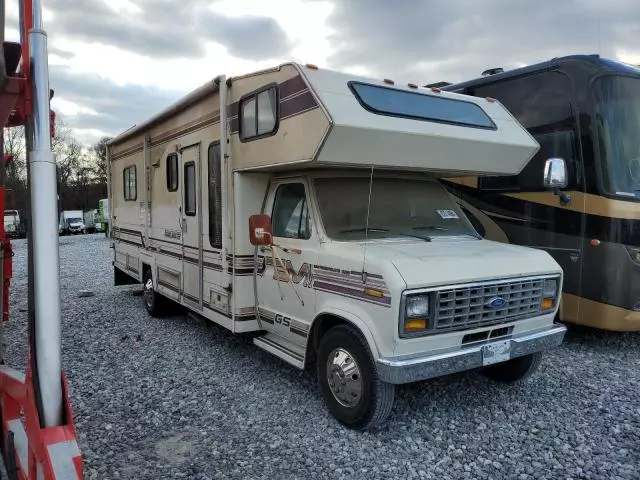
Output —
<point x="14" y="145"/>
<point x="99" y="154"/>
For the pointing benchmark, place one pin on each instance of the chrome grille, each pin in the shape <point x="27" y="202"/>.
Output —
<point x="468" y="306"/>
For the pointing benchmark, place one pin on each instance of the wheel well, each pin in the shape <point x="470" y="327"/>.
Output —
<point x="322" y="325"/>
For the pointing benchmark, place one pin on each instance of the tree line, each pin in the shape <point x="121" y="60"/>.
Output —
<point x="81" y="170"/>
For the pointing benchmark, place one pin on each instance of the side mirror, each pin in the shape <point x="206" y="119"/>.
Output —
<point x="260" y="230"/>
<point x="555" y="173"/>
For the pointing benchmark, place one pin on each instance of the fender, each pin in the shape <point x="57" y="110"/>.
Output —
<point x="346" y="312"/>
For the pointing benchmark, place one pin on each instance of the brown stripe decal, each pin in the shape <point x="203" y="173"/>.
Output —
<point x="295" y="99"/>
<point x="197" y="124"/>
<point x="296" y="105"/>
<point x="350" y="292"/>
<point x="292" y="86"/>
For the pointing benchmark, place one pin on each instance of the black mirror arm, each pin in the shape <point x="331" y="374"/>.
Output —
<point x="565" y="198"/>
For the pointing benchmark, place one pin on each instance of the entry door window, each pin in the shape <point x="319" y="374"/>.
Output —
<point x="290" y="216"/>
<point x="190" y="189"/>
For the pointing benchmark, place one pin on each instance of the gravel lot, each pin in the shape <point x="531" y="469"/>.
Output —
<point x="180" y="398"/>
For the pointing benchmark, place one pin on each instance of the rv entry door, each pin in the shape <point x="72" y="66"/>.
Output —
<point x="191" y="220"/>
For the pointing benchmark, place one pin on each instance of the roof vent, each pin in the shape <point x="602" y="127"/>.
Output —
<point x="492" y="71"/>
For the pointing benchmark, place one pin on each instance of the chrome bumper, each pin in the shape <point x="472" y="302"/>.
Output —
<point x="415" y="368"/>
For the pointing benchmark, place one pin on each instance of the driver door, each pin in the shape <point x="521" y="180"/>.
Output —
<point x="285" y="297"/>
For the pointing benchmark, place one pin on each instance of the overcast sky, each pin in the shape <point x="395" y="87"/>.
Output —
<point x="113" y="63"/>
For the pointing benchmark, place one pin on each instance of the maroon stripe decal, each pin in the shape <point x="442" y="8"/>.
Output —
<point x="291" y="86"/>
<point x="297" y="105"/>
<point x="327" y="287"/>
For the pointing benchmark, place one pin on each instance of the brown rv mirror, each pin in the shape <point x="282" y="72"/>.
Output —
<point x="260" y="230"/>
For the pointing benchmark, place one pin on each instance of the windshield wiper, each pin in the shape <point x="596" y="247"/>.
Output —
<point x="431" y="227"/>
<point x="421" y="237"/>
<point x="446" y="229"/>
<point x="365" y="229"/>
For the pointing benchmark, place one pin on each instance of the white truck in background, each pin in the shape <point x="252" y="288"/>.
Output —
<point x="13" y="226"/>
<point x="72" y="222"/>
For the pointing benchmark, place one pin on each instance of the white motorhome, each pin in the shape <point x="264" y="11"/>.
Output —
<point x="379" y="277"/>
<point x="71" y="222"/>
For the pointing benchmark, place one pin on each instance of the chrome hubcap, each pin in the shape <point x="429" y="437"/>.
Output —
<point x="343" y="376"/>
<point x="148" y="293"/>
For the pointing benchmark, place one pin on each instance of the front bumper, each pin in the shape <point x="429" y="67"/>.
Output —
<point x="415" y="368"/>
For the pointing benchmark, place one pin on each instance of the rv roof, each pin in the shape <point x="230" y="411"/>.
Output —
<point x="381" y="123"/>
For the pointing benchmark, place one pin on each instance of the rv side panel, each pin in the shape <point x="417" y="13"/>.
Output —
<point x="299" y="128"/>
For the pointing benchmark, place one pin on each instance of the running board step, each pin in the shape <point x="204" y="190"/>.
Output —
<point x="281" y="348"/>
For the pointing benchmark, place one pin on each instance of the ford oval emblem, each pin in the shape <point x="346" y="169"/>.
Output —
<point x="496" y="302"/>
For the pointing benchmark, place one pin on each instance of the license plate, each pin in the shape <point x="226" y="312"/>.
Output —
<point x="496" y="352"/>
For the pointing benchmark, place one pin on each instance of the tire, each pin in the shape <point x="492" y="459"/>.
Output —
<point x="515" y="370"/>
<point x="342" y="346"/>
<point x="154" y="302"/>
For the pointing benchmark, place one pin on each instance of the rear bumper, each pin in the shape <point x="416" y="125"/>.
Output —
<point x="415" y="368"/>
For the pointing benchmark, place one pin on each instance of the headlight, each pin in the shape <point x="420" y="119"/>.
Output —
<point x="415" y="317"/>
<point x="549" y="294"/>
<point x="417" y="306"/>
<point x="634" y="253"/>
<point x="550" y="288"/>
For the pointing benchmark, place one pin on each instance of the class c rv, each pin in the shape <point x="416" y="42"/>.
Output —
<point x="586" y="110"/>
<point x="303" y="204"/>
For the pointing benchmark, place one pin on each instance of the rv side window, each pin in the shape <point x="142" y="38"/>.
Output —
<point x="215" y="197"/>
<point x="290" y="216"/>
<point x="130" y="183"/>
<point x="419" y="106"/>
<point x="259" y="114"/>
<point x="172" y="172"/>
<point x="190" y="189"/>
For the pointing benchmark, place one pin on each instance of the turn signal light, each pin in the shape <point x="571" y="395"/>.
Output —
<point x="547" y="304"/>
<point x="374" y="292"/>
<point x="416" y="324"/>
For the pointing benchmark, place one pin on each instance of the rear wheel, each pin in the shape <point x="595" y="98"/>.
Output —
<point x="515" y="370"/>
<point x="349" y="382"/>
<point x="155" y="303"/>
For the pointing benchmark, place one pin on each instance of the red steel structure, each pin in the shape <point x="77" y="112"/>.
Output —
<point x="38" y="438"/>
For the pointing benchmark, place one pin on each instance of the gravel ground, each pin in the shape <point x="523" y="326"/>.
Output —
<point x="181" y="398"/>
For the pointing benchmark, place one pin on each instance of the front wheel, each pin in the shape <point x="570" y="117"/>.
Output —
<point x="349" y="382"/>
<point x="515" y="370"/>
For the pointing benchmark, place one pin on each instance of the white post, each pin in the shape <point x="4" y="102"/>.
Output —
<point x="44" y="231"/>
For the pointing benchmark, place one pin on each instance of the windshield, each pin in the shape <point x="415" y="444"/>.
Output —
<point x="412" y="208"/>
<point x="618" y="123"/>
<point x="74" y="220"/>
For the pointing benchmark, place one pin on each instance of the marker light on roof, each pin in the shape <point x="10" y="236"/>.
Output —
<point x="435" y="90"/>
<point x="311" y="66"/>
<point x="490" y="100"/>
<point x="389" y="81"/>
<point x="412" y="85"/>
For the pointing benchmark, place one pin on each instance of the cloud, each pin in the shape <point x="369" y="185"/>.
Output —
<point x="93" y="106"/>
<point x="162" y="29"/>
<point x="458" y="39"/>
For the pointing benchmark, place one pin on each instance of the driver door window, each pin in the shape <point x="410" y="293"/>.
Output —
<point x="290" y="216"/>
